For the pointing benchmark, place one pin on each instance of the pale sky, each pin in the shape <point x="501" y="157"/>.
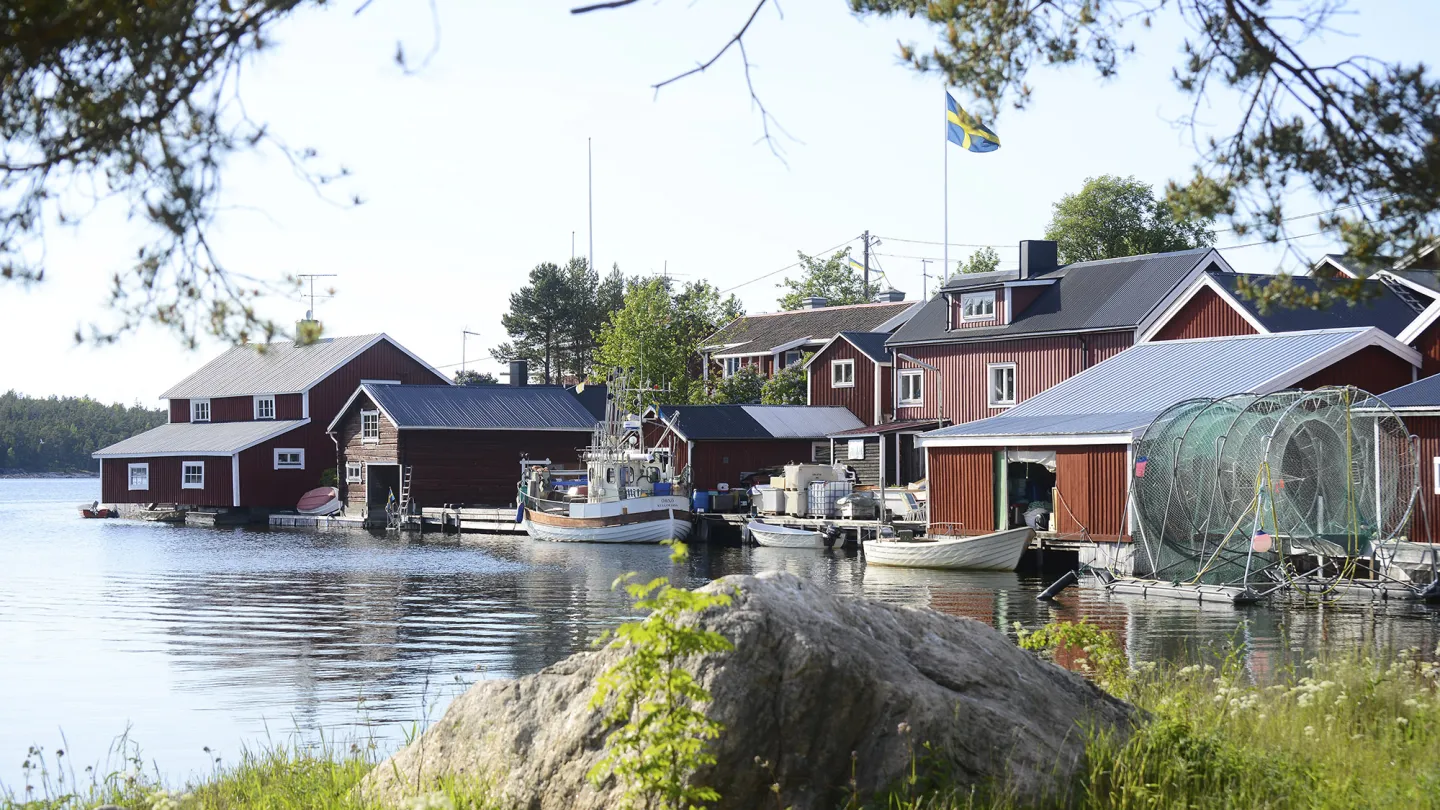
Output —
<point x="474" y="170"/>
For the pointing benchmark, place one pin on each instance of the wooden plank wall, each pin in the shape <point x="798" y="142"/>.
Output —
<point x="962" y="488"/>
<point x="480" y="467"/>
<point x="859" y="399"/>
<point x="1093" y="481"/>
<point x="1205" y="315"/>
<point x="353" y="449"/>
<point x="165" y="481"/>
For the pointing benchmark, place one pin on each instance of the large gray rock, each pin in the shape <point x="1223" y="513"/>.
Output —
<point x="814" y="695"/>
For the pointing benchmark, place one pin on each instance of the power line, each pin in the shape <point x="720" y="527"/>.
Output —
<point x="1318" y="213"/>
<point x="787" y="267"/>
<point x="942" y="244"/>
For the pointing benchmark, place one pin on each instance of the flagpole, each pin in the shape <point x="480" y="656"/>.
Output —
<point x="945" y="145"/>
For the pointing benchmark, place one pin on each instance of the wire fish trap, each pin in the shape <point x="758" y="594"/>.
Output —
<point x="1307" y="491"/>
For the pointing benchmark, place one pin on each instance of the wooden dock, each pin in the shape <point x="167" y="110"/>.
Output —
<point x="468" y="519"/>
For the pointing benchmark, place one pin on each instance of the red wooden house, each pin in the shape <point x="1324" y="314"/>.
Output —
<point x="248" y="428"/>
<point x="724" y="443"/>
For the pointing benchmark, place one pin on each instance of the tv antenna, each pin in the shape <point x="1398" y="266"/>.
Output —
<point x="310" y="312"/>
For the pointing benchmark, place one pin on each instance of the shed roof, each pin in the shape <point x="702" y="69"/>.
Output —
<point x="1085" y="296"/>
<point x="199" y="439"/>
<point x="275" y="368"/>
<point x="1387" y="310"/>
<point x="885" y="429"/>
<point x="476" y="407"/>
<point x="1127" y="391"/>
<point x="720" y="422"/>
<point x="763" y="334"/>
<point x="1420" y="395"/>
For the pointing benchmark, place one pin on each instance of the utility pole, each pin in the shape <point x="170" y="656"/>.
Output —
<point x="925" y="279"/>
<point x="590" y="185"/>
<point x="865" y="238"/>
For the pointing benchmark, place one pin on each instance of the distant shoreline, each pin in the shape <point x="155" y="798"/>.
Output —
<point x="25" y="474"/>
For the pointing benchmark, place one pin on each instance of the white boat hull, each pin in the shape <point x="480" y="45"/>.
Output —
<point x="782" y="537"/>
<point x="653" y="531"/>
<point x="999" y="551"/>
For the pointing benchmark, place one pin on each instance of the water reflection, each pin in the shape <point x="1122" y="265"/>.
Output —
<point x="203" y="637"/>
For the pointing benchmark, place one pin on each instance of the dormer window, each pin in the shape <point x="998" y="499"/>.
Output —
<point x="265" y="406"/>
<point x="199" y="410"/>
<point x="978" y="306"/>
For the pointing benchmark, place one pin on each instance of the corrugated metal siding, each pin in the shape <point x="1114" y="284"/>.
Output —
<point x="1373" y="369"/>
<point x="962" y="488"/>
<point x="165" y="481"/>
<point x="860" y="399"/>
<point x="1425" y="520"/>
<point x="1039" y="364"/>
<point x="1093" y="482"/>
<point x="1205" y="315"/>
<point x="718" y="462"/>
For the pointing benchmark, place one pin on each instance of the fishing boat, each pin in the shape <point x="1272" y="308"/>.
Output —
<point x="997" y="551"/>
<point x="631" y="492"/>
<point x="766" y="534"/>
<point x="319" y="501"/>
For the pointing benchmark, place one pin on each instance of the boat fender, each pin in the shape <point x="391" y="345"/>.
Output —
<point x="1065" y="581"/>
<point x="520" y="512"/>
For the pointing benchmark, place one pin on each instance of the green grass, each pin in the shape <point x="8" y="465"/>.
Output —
<point x="1355" y="731"/>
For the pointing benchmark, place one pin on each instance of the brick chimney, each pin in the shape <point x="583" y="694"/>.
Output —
<point x="1038" y="256"/>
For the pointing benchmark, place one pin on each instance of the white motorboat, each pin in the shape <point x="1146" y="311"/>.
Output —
<point x="998" y="551"/>
<point x="766" y="534"/>
<point x="631" y="492"/>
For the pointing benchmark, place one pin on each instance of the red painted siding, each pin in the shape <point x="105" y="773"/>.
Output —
<point x="1428" y="344"/>
<point x="179" y="410"/>
<point x="1205" y="315"/>
<point x="887" y="394"/>
<point x="1093" y="482"/>
<point x="165" y="481"/>
<point x="1022" y="297"/>
<point x="716" y="462"/>
<point x="1040" y="362"/>
<point x="957" y="320"/>
<point x="261" y="485"/>
<point x="290" y="406"/>
<point x="1373" y="369"/>
<point x="860" y="398"/>
<point x="480" y="467"/>
<point x="962" y="489"/>
<point x="1425" y="520"/>
<point x="232" y="409"/>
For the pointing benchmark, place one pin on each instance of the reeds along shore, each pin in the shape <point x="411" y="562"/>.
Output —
<point x="1348" y="732"/>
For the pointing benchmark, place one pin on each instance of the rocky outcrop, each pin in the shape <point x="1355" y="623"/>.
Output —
<point x="821" y="695"/>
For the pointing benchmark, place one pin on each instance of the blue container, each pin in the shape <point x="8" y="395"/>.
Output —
<point x="663" y="488"/>
<point x="702" y="500"/>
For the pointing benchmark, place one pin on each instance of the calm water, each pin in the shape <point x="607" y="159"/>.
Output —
<point x="214" y="637"/>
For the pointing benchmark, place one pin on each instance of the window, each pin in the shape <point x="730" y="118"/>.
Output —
<point x="370" y="427"/>
<point x="792" y="357"/>
<point x="912" y="387"/>
<point x="977" y="306"/>
<point x="820" y="452"/>
<point x="289" y="458"/>
<point x="842" y="373"/>
<point x="732" y="366"/>
<point x="192" y="475"/>
<point x="1436" y="476"/>
<point x="139" y="476"/>
<point x="265" y="406"/>
<point x="855" y="449"/>
<point x="199" y="410"/>
<point x="353" y="472"/>
<point x="1002" y="385"/>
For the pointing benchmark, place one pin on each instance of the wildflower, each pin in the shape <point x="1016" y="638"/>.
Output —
<point x="1305" y="699"/>
<point x="429" y="801"/>
<point x="1402" y="722"/>
<point x="903" y="728"/>
<point x="1413" y="703"/>
<point x="1261" y="716"/>
<point x="1309" y="731"/>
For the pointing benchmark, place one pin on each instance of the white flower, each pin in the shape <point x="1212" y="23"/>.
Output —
<point x="1309" y="731"/>
<point x="1400" y="721"/>
<point x="1413" y="703"/>
<point x="429" y="801"/>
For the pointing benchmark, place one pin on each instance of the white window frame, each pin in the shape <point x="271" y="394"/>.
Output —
<point x="978" y="298"/>
<point x="919" y="394"/>
<point x="195" y="410"/>
<point x="130" y="471"/>
<point x="184" y="473"/>
<point x="815" y="448"/>
<point x="855" y="450"/>
<point x="1435" y="477"/>
<point x="731" y="365"/>
<point x="791" y="357"/>
<point x="369" y="439"/>
<point x="990" y="385"/>
<point x="286" y="450"/>
<point x="835" y="376"/>
<point x="354" y="472"/>
<point x="261" y="400"/>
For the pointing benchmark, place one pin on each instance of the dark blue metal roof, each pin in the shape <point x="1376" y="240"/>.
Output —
<point x="1421" y="394"/>
<point x="482" y="407"/>
<point x="714" y="422"/>
<point x="1384" y="310"/>
<point x="697" y="422"/>
<point x="871" y="344"/>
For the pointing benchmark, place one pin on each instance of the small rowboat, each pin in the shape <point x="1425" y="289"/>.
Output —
<point x="95" y="510"/>
<point x="319" y="501"/>
<point x="788" y="537"/>
<point x="998" y="551"/>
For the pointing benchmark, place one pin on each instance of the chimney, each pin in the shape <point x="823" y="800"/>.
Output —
<point x="519" y="373"/>
<point x="1037" y="256"/>
<point x="814" y="302"/>
<point x="308" y="330"/>
<point x="891" y="296"/>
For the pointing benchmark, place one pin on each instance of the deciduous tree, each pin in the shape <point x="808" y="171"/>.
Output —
<point x="983" y="260"/>
<point x="1114" y="216"/>
<point x="470" y="376"/>
<point x="832" y="279"/>
<point x="786" y="386"/>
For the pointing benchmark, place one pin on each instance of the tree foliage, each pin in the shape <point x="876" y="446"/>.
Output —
<point x="554" y="320"/>
<point x="470" y="376"/>
<point x="1114" y="216"/>
<point x="786" y="386"/>
<point x="58" y="434"/>
<point x="832" y="279"/>
<point x="983" y="260"/>
<point x="744" y="387"/>
<point x="657" y="333"/>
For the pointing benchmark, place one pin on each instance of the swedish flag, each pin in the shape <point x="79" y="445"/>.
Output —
<point x="963" y="130"/>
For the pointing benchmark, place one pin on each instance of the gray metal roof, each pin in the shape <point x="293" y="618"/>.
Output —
<point x="481" y="407"/>
<point x="762" y="333"/>
<point x="199" y="439"/>
<point x="1127" y="391"/>
<point x="1108" y="294"/>
<point x="280" y="368"/>
<point x="719" y="422"/>
<point x="1420" y="394"/>
<point x="871" y="344"/>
